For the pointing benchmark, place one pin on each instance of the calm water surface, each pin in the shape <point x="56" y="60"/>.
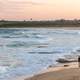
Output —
<point x="30" y="50"/>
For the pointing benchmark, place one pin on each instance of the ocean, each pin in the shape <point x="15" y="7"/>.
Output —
<point x="27" y="51"/>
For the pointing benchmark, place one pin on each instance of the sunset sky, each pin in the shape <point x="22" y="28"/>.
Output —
<point x="39" y="9"/>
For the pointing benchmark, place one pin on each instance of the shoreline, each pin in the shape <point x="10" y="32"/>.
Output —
<point x="49" y="74"/>
<point x="73" y="65"/>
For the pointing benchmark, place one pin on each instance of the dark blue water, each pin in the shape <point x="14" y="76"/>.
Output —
<point x="30" y="50"/>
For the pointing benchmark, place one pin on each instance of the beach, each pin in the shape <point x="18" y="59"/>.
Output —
<point x="66" y="71"/>
<point x="39" y="40"/>
<point x="70" y="72"/>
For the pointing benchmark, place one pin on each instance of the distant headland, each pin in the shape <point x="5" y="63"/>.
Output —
<point x="44" y="23"/>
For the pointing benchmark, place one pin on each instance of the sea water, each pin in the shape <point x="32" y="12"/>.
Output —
<point x="29" y="50"/>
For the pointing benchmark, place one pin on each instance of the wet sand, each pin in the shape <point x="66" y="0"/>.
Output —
<point x="66" y="74"/>
<point x="70" y="72"/>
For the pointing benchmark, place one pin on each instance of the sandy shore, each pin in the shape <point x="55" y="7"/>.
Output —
<point x="68" y="71"/>
<point x="66" y="74"/>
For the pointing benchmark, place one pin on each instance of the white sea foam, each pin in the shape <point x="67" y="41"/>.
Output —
<point x="3" y="69"/>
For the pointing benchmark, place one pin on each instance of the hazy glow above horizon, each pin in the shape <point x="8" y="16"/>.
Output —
<point x="39" y="9"/>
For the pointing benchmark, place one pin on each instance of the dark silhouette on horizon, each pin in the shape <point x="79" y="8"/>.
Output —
<point x="42" y="23"/>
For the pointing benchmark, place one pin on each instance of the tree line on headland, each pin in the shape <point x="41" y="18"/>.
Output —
<point x="45" y="23"/>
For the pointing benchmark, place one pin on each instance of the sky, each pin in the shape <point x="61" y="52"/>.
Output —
<point x="39" y="9"/>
